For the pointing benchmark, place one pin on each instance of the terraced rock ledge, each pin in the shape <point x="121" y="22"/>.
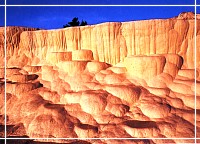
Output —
<point x="112" y="80"/>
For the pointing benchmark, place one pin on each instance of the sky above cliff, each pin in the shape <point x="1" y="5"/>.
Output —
<point x="35" y="2"/>
<point x="56" y="17"/>
<point x="2" y="18"/>
<point x="1" y="2"/>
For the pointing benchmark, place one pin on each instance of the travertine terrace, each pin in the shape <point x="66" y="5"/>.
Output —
<point x="111" y="80"/>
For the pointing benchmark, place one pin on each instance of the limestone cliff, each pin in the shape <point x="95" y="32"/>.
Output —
<point x="58" y="87"/>
<point x="12" y="42"/>
<point x="13" y="38"/>
<point x="113" y="41"/>
<point x="2" y="41"/>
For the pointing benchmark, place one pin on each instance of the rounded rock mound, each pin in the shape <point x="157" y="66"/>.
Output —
<point x="93" y="102"/>
<point x="72" y="67"/>
<point x="145" y="67"/>
<point x="156" y="110"/>
<point x="95" y="66"/>
<point x="55" y="57"/>
<point x="82" y="55"/>
<point x="129" y="94"/>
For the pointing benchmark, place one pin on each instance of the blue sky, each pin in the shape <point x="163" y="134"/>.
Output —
<point x="198" y="9"/>
<point x="2" y="14"/>
<point x="1" y="2"/>
<point x="100" y="2"/>
<point x="56" y="17"/>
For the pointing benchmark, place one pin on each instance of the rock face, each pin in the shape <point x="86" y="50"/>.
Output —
<point x="13" y="39"/>
<point x="112" y="42"/>
<point x="112" y="80"/>
<point x="145" y="67"/>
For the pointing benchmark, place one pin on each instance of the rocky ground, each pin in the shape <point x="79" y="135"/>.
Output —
<point x="112" y="80"/>
<point x="83" y="98"/>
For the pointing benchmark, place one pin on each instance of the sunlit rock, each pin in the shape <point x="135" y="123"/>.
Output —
<point x="112" y="80"/>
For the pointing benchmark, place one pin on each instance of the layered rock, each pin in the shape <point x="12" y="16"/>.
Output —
<point x="12" y="44"/>
<point x="112" y="42"/>
<point x="13" y="39"/>
<point x="2" y="36"/>
<point x="101" y="103"/>
<point x="145" y="67"/>
<point x="64" y="83"/>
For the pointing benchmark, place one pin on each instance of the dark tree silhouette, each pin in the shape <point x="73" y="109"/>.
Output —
<point x="83" y="23"/>
<point x="75" y="22"/>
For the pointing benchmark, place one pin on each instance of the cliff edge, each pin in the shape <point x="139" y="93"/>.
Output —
<point x="111" y="42"/>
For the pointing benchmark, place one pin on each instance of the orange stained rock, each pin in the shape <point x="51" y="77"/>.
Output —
<point x="56" y="57"/>
<point x="145" y="67"/>
<point x="82" y="55"/>
<point x="111" y="42"/>
<point x="95" y="66"/>
<point x="72" y="67"/>
<point x="111" y="80"/>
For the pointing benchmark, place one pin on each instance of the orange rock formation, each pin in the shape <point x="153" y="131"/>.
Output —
<point x="111" y="80"/>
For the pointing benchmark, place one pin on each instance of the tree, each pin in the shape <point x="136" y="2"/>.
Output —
<point x="83" y="23"/>
<point x="75" y="22"/>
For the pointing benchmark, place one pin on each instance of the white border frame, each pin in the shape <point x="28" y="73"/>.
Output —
<point x="195" y="7"/>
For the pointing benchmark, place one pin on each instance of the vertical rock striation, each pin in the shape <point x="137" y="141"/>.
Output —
<point x="61" y="83"/>
<point x="113" y="41"/>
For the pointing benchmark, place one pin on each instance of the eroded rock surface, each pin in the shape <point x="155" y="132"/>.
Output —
<point x="122" y="88"/>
